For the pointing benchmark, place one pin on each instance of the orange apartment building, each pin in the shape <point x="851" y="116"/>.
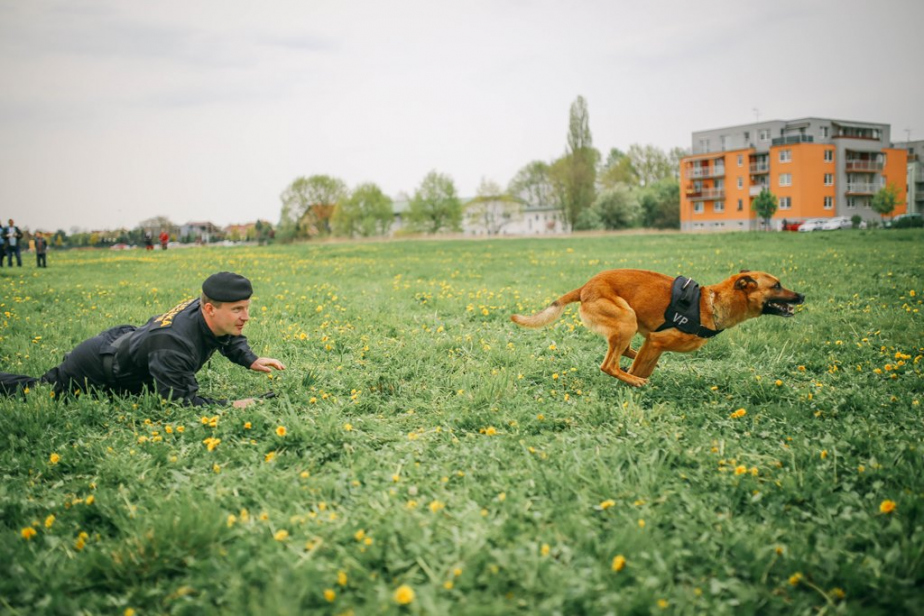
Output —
<point x="816" y="168"/>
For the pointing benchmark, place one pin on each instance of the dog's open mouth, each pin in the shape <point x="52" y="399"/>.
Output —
<point x="781" y="308"/>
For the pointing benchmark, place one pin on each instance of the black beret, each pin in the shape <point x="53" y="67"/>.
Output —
<point x="227" y="287"/>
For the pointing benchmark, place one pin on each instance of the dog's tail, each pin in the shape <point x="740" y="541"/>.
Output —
<point x="550" y="313"/>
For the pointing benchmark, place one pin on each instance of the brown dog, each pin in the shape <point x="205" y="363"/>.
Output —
<point x="618" y="303"/>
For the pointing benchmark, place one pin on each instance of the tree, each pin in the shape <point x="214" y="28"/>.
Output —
<point x="650" y="163"/>
<point x="366" y="212"/>
<point x="492" y="209"/>
<point x="616" y="208"/>
<point x="532" y="185"/>
<point x="660" y="205"/>
<point x="765" y="205"/>
<point x="435" y="206"/>
<point x="886" y="200"/>
<point x="309" y="203"/>
<point x="617" y="170"/>
<point x="157" y="224"/>
<point x="674" y="157"/>
<point x="575" y="174"/>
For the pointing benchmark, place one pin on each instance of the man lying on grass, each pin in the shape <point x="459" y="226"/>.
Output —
<point x="165" y="353"/>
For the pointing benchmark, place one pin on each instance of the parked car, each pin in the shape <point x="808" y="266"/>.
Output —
<point x="791" y="226"/>
<point x="812" y="224"/>
<point x="906" y="221"/>
<point x="832" y="224"/>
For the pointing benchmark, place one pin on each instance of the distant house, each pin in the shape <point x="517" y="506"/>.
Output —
<point x="239" y="233"/>
<point x="203" y="232"/>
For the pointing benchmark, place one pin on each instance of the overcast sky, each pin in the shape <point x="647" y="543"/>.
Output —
<point x="114" y="111"/>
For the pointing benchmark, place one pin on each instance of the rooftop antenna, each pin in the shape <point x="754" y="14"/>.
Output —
<point x="756" y="114"/>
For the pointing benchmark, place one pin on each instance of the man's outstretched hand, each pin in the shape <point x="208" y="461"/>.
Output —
<point x="263" y="364"/>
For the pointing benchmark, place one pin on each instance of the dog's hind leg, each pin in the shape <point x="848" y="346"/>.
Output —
<point x="615" y="321"/>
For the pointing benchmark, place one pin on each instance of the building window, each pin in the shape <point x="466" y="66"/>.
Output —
<point x="823" y="132"/>
<point x="765" y="134"/>
<point x="724" y="139"/>
<point x="785" y="156"/>
<point x="829" y="179"/>
<point x="785" y="203"/>
<point x="698" y="207"/>
<point x="829" y="156"/>
<point x="718" y="206"/>
<point x="740" y="205"/>
<point x="747" y="137"/>
<point x="785" y="179"/>
<point x="829" y="203"/>
<point x="740" y="160"/>
<point x="740" y="183"/>
<point x="703" y="145"/>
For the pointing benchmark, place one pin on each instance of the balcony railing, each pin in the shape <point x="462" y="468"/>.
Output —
<point x="758" y="188"/>
<point x="699" y="173"/>
<point x="871" y="166"/>
<point x="760" y="168"/>
<point x="793" y="139"/>
<point x="863" y="188"/>
<point x="706" y="194"/>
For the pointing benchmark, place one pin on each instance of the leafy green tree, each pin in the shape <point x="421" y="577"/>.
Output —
<point x="660" y="205"/>
<point x="765" y="204"/>
<point x="435" y="205"/>
<point x="532" y="185"/>
<point x="492" y="209"/>
<point x="617" y="170"/>
<point x="309" y="203"/>
<point x="575" y="174"/>
<point x="366" y="212"/>
<point x="650" y="163"/>
<point x="617" y="208"/>
<point x="886" y="200"/>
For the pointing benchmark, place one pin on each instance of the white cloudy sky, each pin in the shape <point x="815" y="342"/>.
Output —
<point x="112" y="111"/>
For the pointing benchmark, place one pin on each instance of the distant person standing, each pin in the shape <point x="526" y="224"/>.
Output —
<point x="148" y="241"/>
<point x="41" y="249"/>
<point x="164" y="238"/>
<point x="13" y="237"/>
<point x="2" y="243"/>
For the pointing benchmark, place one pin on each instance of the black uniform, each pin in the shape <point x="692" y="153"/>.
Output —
<point x="163" y="355"/>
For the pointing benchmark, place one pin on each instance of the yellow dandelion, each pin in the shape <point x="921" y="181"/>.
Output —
<point x="54" y="458"/>
<point x="28" y="532"/>
<point x="741" y="469"/>
<point x="342" y="578"/>
<point x="824" y="454"/>
<point x="232" y="520"/>
<point x="404" y="595"/>
<point x="739" y="413"/>
<point x="544" y="550"/>
<point x="607" y="504"/>
<point x="281" y="431"/>
<point x="619" y="562"/>
<point x="50" y="521"/>
<point x="490" y="431"/>
<point x="795" y="578"/>
<point x="887" y="506"/>
<point x="329" y="595"/>
<point x="248" y="425"/>
<point x="437" y="506"/>
<point x="269" y="457"/>
<point x="91" y="499"/>
<point x="281" y="535"/>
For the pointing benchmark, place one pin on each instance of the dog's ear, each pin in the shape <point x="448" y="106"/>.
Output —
<point x="744" y="282"/>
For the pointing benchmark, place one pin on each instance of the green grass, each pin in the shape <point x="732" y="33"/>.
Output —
<point x="494" y="470"/>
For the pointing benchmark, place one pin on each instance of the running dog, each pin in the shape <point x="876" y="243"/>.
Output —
<point x="672" y="314"/>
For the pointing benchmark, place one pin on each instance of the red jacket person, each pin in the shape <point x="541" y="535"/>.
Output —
<point x="164" y="354"/>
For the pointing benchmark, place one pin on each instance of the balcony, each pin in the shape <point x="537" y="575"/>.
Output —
<point x="758" y="188"/>
<point x="863" y="188"/>
<point x="793" y="139"/>
<point x="867" y="166"/>
<point x="760" y="168"/>
<point x="701" y="173"/>
<point x="706" y="194"/>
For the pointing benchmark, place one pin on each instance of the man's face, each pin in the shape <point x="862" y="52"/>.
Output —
<point x="229" y="319"/>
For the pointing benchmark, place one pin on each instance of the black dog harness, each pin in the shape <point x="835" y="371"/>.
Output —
<point x="683" y="311"/>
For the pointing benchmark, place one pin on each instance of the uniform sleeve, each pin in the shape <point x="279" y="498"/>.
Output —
<point x="238" y="351"/>
<point x="175" y="378"/>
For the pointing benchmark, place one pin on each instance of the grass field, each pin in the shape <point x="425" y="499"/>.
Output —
<point x="426" y="456"/>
